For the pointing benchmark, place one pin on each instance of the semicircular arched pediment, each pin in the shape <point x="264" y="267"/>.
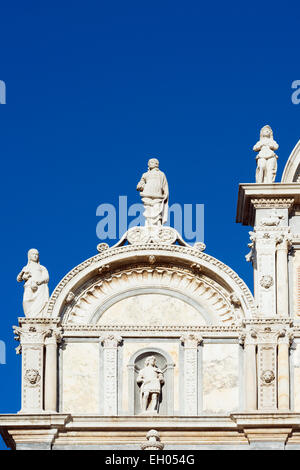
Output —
<point x="209" y="285"/>
<point x="202" y="294"/>
<point x="291" y="172"/>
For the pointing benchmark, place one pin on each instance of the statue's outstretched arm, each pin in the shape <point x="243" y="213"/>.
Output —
<point x="45" y="277"/>
<point x="257" y="146"/>
<point x="141" y="184"/>
<point x="20" y="276"/>
<point x="274" y="145"/>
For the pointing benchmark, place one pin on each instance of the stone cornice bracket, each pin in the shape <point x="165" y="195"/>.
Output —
<point x="34" y="331"/>
<point x="153" y="441"/>
<point x="54" y="335"/>
<point x="111" y="340"/>
<point x="191" y="340"/>
<point x="248" y="337"/>
<point x="251" y="255"/>
<point x="285" y="336"/>
<point x="284" y="240"/>
<point x="252" y="197"/>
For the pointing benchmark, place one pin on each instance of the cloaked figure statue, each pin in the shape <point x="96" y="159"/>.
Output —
<point x="266" y="158"/>
<point x="36" y="292"/>
<point x="155" y="194"/>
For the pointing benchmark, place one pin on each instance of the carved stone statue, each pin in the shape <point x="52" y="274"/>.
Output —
<point x="266" y="158"/>
<point x="151" y="379"/>
<point x="155" y="194"/>
<point x="36" y="292"/>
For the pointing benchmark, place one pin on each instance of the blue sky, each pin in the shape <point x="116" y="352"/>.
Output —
<point x="95" y="88"/>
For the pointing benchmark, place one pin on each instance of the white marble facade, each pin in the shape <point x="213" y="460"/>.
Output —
<point x="225" y="363"/>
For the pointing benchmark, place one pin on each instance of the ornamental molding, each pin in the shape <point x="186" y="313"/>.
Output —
<point x="180" y="255"/>
<point x="191" y="340"/>
<point x="157" y="331"/>
<point x="107" y="289"/>
<point x="272" y="203"/>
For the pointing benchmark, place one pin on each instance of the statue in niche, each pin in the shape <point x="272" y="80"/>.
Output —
<point x="36" y="292"/>
<point x="150" y="379"/>
<point x="155" y="194"/>
<point x="266" y="157"/>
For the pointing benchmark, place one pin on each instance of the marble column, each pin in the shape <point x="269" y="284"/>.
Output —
<point x="250" y="375"/>
<point x="282" y="276"/>
<point x="283" y="371"/>
<point x="110" y="344"/>
<point x="190" y="380"/>
<point x="51" y="370"/>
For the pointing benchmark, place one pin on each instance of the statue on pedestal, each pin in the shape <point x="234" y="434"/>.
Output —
<point x="151" y="379"/>
<point x="266" y="158"/>
<point x="36" y="292"/>
<point x="155" y="194"/>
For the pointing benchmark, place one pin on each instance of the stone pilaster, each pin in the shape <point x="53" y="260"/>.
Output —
<point x="249" y="341"/>
<point x="282" y="281"/>
<point x="191" y="342"/>
<point x="31" y="334"/>
<point x="52" y="338"/>
<point x="269" y="255"/>
<point x="273" y="364"/>
<point x="266" y="345"/>
<point x="285" y="338"/>
<point x="110" y="344"/>
<point x="264" y="271"/>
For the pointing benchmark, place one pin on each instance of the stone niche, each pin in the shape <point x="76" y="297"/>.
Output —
<point x="161" y="363"/>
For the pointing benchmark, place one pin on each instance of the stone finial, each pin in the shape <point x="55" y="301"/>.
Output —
<point x="266" y="157"/>
<point x="153" y="441"/>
